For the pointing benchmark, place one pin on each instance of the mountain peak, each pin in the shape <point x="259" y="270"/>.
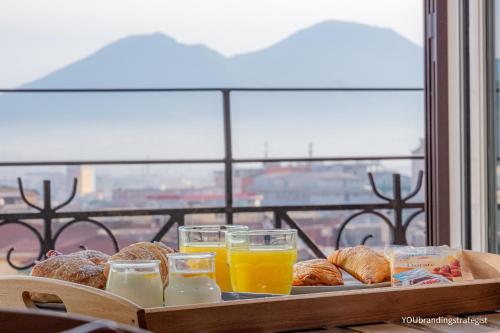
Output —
<point x="339" y="24"/>
<point x="346" y="33"/>
<point x="138" y="42"/>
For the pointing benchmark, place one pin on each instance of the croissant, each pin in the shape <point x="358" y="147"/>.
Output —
<point x="83" y="267"/>
<point x="144" y="251"/>
<point x="363" y="263"/>
<point x="316" y="272"/>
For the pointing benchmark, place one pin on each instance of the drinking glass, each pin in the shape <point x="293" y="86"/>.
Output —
<point x="137" y="280"/>
<point x="210" y="238"/>
<point x="261" y="261"/>
<point x="191" y="279"/>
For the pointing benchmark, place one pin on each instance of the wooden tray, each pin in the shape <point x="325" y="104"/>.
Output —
<point x="274" y="314"/>
<point x="271" y="314"/>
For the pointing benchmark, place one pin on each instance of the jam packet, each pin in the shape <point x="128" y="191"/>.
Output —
<point x="424" y="265"/>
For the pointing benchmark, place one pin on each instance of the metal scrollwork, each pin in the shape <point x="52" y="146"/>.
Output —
<point x="12" y="249"/>
<point x="397" y="203"/>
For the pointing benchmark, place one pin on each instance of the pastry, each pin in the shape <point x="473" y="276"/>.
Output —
<point x="363" y="263"/>
<point x="316" y="272"/>
<point x="83" y="267"/>
<point x="145" y="251"/>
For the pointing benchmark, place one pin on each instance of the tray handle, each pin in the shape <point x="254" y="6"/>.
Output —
<point x="78" y="299"/>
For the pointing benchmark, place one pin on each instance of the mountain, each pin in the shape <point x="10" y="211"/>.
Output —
<point x="329" y="54"/>
<point x="186" y="125"/>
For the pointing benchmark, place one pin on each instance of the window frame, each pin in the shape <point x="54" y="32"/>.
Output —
<point x="437" y="122"/>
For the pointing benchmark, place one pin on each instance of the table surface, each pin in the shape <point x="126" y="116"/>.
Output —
<point x="492" y="325"/>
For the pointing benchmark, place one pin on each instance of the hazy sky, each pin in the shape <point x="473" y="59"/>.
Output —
<point x="38" y="36"/>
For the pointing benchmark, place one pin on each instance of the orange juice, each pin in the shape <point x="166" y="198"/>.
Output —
<point x="221" y="267"/>
<point x="262" y="270"/>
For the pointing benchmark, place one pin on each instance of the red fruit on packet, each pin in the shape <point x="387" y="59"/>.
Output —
<point x="445" y="270"/>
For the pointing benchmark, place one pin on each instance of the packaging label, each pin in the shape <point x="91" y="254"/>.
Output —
<point x="424" y="265"/>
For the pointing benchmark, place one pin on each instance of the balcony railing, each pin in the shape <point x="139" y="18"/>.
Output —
<point x="49" y="212"/>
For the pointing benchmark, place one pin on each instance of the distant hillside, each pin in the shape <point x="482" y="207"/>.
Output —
<point x="334" y="54"/>
<point x="154" y="60"/>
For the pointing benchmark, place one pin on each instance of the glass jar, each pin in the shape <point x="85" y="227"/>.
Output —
<point x="191" y="279"/>
<point x="261" y="261"/>
<point x="137" y="280"/>
<point x="210" y="238"/>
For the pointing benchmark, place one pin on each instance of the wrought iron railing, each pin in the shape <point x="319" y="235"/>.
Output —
<point x="49" y="212"/>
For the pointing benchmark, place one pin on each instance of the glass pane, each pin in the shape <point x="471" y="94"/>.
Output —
<point x="321" y="183"/>
<point x="107" y="126"/>
<point x="112" y="187"/>
<point x="301" y="124"/>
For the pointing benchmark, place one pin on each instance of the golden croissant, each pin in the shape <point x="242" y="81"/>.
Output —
<point x="363" y="263"/>
<point x="316" y="272"/>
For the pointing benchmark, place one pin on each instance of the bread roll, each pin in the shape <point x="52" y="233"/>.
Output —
<point x="83" y="267"/>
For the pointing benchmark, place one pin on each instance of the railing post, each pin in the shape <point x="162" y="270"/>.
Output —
<point x="278" y="219"/>
<point x="228" y="155"/>
<point x="47" y="217"/>
<point x="397" y="201"/>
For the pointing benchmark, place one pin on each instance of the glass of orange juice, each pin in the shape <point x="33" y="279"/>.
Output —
<point x="210" y="238"/>
<point x="261" y="261"/>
